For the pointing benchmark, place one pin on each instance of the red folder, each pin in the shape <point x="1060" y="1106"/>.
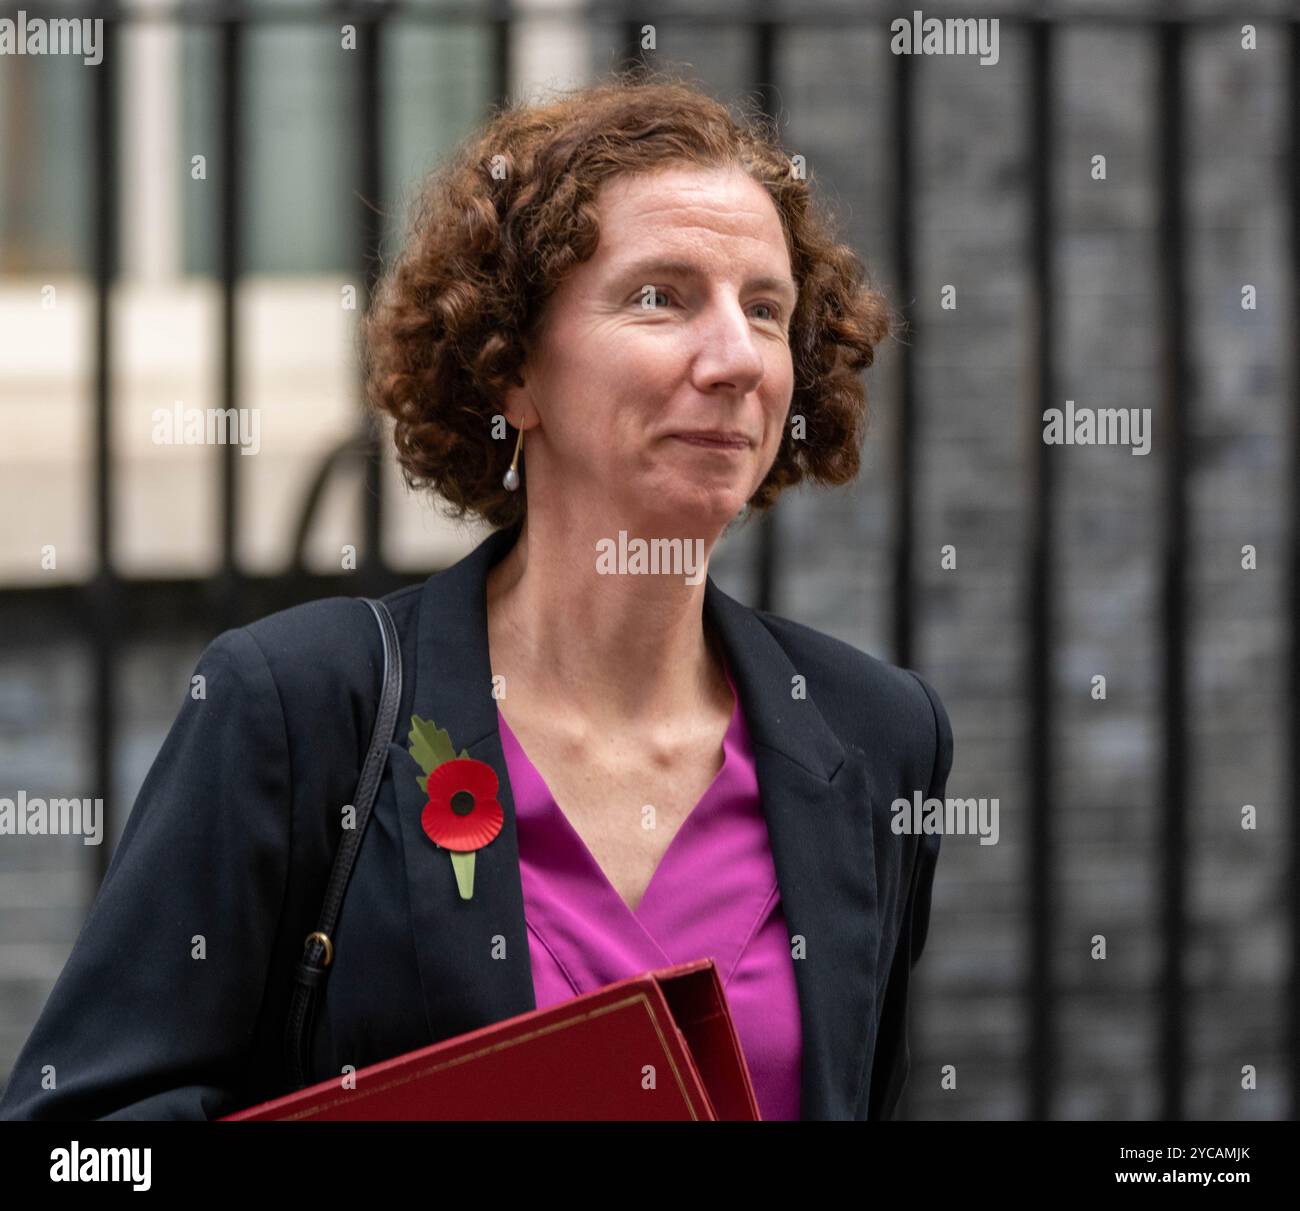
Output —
<point x="590" y="1058"/>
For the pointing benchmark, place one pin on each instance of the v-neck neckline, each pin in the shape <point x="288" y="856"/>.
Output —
<point x="556" y="819"/>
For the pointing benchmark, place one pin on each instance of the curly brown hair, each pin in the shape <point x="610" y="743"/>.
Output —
<point x="498" y="226"/>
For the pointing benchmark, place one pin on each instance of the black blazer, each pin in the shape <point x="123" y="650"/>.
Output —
<point x="173" y="1001"/>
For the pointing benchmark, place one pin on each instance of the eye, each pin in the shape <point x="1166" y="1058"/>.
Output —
<point x="773" y="308"/>
<point x="648" y="297"/>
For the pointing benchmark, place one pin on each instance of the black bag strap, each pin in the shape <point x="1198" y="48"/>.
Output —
<point x="312" y="969"/>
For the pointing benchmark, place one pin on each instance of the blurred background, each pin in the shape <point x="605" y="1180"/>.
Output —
<point x="200" y="217"/>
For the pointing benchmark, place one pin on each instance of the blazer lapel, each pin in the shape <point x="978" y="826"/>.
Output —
<point x="473" y="954"/>
<point x="817" y="801"/>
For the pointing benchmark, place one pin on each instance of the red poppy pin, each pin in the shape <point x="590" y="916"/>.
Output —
<point x="462" y="814"/>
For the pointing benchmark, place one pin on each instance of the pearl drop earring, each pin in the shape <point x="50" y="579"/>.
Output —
<point x="511" y="478"/>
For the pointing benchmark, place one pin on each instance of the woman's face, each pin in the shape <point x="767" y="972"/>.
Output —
<point x="678" y="324"/>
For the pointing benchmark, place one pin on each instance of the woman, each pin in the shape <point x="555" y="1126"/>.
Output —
<point x="636" y="280"/>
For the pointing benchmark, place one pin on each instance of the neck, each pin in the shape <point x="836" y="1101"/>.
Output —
<point x="623" y="649"/>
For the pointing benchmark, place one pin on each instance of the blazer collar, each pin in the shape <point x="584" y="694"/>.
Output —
<point x="817" y="800"/>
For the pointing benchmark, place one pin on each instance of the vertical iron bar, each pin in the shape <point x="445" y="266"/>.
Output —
<point x="631" y="44"/>
<point x="1041" y="873"/>
<point x="230" y="257"/>
<point x="768" y="550"/>
<point x="902" y="448"/>
<point x="501" y="58"/>
<point x="369" y="150"/>
<point x="1173" y="614"/>
<point x="103" y="600"/>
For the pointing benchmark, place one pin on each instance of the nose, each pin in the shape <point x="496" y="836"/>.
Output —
<point x="729" y="355"/>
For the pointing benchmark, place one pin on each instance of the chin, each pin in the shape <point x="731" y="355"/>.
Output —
<point x="692" y="509"/>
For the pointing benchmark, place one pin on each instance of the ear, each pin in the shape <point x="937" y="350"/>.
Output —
<point x="517" y="405"/>
<point x="514" y="405"/>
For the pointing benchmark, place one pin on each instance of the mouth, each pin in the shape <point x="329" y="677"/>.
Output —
<point x="713" y="440"/>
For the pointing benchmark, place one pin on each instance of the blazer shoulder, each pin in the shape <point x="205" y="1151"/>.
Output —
<point x="867" y="701"/>
<point x="329" y="649"/>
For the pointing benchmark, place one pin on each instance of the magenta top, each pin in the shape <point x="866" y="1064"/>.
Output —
<point x="713" y="894"/>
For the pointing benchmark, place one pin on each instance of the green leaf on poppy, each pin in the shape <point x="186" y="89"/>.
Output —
<point x="430" y="744"/>
<point x="463" y="865"/>
<point x="423" y="783"/>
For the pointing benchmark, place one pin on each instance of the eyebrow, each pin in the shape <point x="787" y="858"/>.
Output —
<point x="648" y="269"/>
